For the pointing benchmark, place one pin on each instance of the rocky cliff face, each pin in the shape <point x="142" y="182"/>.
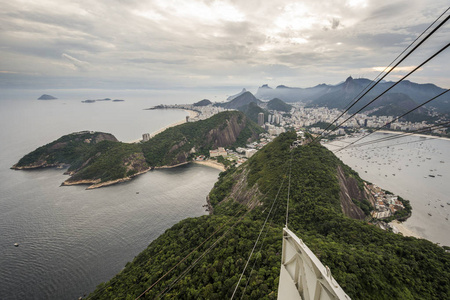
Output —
<point x="349" y="191"/>
<point x="222" y="134"/>
<point x="227" y="134"/>
<point x="242" y="193"/>
<point x="101" y="136"/>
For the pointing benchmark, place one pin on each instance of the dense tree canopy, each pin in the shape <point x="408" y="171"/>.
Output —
<point x="368" y="263"/>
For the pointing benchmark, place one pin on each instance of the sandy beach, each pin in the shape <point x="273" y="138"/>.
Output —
<point x="210" y="163"/>
<point x="404" y="230"/>
<point x="192" y="114"/>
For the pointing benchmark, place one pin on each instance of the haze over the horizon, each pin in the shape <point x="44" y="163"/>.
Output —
<point x="115" y="44"/>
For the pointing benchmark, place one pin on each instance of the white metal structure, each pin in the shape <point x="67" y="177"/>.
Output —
<point x="303" y="276"/>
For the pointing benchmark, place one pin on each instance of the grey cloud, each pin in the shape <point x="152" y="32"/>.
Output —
<point x="142" y="60"/>
<point x="393" y="9"/>
<point x="335" y="23"/>
<point x="106" y="38"/>
<point x="78" y="64"/>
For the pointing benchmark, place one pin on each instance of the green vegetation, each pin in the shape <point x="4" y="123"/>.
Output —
<point x="91" y="155"/>
<point x="403" y="214"/>
<point x="364" y="205"/>
<point x="368" y="263"/>
<point x="110" y="161"/>
<point x="100" y="157"/>
<point x="68" y="149"/>
<point x="278" y="105"/>
<point x="227" y="129"/>
<point x="252" y="111"/>
<point x="227" y="163"/>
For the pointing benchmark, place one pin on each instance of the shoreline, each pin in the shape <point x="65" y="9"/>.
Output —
<point x="418" y="225"/>
<point x="95" y="184"/>
<point x="192" y="114"/>
<point x="415" y="134"/>
<point x="211" y="164"/>
<point x="170" y="167"/>
<point x="404" y="229"/>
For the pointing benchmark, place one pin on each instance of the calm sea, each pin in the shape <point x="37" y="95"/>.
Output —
<point x="414" y="167"/>
<point x="72" y="239"/>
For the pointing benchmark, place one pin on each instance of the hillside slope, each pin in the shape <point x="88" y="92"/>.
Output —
<point x="176" y="144"/>
<point x="252" y="111"/>
<point x="243" y="99"/>
<point x="99" y="159"/>
<point x="367" y="262"/>
<point x="279" y="105"/>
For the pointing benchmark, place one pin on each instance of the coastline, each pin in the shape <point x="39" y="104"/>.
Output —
<point x="95" y="184"/>
<point x="170" y="167"/>
<point x="211" y="164"/>
<point x="405" y="230"/>
<point x="415" y="134"/>
<point x="192" y="114"/>
<point x="428" y="215"/>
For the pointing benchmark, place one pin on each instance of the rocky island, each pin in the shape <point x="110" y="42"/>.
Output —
<point x="47" y="97"/>
<point x="98" y="159"/>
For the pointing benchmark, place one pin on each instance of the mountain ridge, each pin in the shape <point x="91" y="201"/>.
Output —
<point x="241" y="100"/>
<point x="338" y="96"/>
<point x="367" y="262"/>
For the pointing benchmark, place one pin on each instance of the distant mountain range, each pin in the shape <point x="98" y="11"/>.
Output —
<point x="237" y="95"/>
<point x="241" y="100"/>
<point x="279" y="105"/>
<point x="247" y="100"/>
<point x="204" y="102"/>
<point x="340" y="95"/>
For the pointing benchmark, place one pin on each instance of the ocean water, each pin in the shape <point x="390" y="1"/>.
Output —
<point x="72" y="239"/>
<point x="403" y="166"/>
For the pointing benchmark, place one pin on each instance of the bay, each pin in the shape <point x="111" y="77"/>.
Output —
<point x="403" y="166"/>
<point x="72" y="239"/>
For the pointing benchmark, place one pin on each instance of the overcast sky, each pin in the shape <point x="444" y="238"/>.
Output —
<point x="145" y="44"/>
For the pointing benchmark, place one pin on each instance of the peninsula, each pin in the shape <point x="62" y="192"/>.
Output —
<point x="324" y="196"/>
<point x="98" y="159"/>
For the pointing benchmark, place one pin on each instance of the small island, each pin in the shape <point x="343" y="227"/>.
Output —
<point x="92" y="100"/>
<point x="47" y="97"/>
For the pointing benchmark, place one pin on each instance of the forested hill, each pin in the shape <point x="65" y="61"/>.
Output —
<point x="99" y="159"/>
<point x="278" y="104"/>
<point x="368" y="263"/>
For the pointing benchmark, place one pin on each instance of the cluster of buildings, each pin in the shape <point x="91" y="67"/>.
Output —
<point x="385" y="204"/>
<point x="241" y="154"/>
<point x="306" y="117"/>
<point x="301" y="117"/>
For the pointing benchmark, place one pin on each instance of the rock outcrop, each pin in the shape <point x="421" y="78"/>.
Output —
<point x="242" y="193"/>
<point x="226" y="136"/>
<point x="47" y="97"/>
<point x="349" y="191"/>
